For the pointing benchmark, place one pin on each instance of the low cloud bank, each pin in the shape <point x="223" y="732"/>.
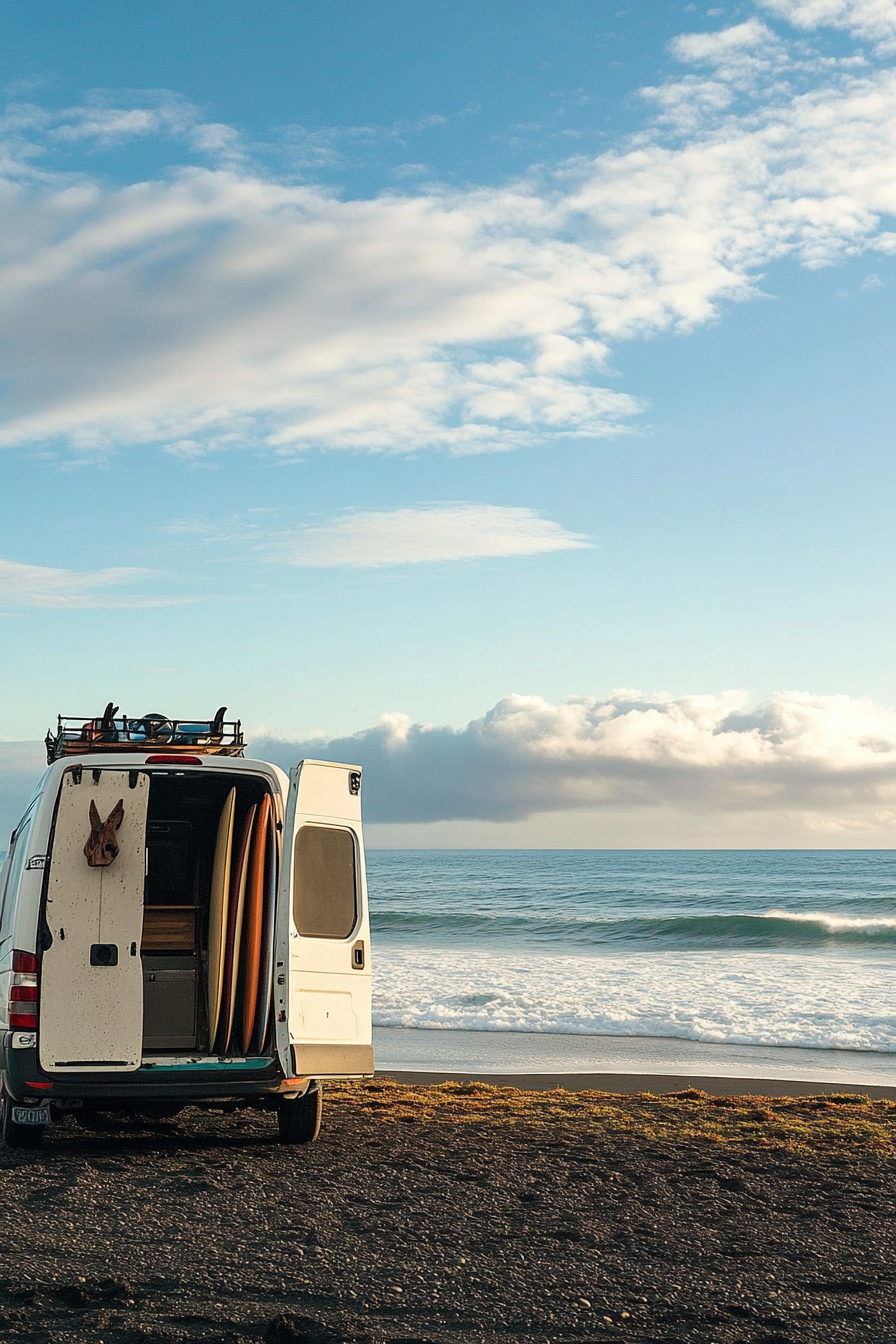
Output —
<point x="798" y="769"/>
<point x="797" y="751"/>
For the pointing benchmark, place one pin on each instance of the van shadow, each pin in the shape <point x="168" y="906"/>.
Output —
<point x="121" y="1140"/>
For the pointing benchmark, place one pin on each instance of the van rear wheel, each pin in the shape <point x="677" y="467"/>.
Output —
<point x="19" y="1136"/>
<point x="299" y="1117"/>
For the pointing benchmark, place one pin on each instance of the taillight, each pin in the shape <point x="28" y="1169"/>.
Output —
<point x="22" y="1006"/>
<point x="163" y="758"/>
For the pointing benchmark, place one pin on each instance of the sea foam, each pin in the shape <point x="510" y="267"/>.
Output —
<point x="776" y="999"/>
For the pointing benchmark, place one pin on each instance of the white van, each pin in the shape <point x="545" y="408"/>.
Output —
<point x="181" y="926"/>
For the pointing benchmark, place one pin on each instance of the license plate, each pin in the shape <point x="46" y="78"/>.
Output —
<point x="31" y="1115"/>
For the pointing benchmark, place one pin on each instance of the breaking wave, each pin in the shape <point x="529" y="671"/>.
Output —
<point x="767" y="929"/>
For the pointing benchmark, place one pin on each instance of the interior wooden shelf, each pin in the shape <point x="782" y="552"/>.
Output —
<point x="169" y="928"/>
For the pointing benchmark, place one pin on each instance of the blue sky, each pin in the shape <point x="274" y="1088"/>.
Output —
<point x="394" y="360"/>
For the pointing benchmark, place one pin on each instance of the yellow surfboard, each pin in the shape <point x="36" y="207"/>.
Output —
<point x="217" y="915"/>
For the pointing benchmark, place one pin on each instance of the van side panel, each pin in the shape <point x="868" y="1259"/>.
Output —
<point x="91" y="993"/>
<point x="21" y="907"/>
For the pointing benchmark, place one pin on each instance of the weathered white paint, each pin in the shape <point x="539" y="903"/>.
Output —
<point x="94" y="1013"/>
<point x="324" y="1016"/>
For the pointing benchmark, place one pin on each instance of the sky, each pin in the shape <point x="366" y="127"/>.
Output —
<point x="497" y="395"/>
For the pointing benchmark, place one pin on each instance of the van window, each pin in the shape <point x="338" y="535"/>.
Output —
<point x="15" y="859"/>
<point x="324" y="892"/>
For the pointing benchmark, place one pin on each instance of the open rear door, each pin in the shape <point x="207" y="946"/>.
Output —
<point x="322" y="1008"/>
<point x="91" y="985"/>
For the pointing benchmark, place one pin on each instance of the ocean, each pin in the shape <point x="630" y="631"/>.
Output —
<point x="787" y="951"/>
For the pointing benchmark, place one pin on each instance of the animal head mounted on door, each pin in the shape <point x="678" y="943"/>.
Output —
<point x="102" y="846"/>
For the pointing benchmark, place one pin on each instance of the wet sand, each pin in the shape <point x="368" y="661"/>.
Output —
<point x="514" y="1054"/>
<point x="462" y="1212"/>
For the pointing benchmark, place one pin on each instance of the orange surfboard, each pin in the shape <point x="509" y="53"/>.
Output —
<point x="254" y="922"/>
<point x="266" y="961"/>
<point x="234" y="929"/>
<point x="217" y="916"/>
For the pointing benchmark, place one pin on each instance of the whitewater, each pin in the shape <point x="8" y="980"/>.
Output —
<point x="766" y="948"/>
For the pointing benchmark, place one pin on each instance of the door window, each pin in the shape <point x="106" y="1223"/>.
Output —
<point x="15" y="859"/>
<point x="324" y="893"/>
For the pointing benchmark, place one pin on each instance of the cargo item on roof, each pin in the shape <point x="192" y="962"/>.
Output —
<point x="76" y="735"/>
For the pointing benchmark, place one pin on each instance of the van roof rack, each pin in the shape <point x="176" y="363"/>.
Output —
<point x="112" y="732"/>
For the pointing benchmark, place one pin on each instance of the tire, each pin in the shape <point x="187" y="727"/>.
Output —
<point x="299" y="1119"/>
<point x="19" y="1136"/>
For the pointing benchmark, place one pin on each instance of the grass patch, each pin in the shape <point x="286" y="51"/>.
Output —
<point x="841" y="1124"/>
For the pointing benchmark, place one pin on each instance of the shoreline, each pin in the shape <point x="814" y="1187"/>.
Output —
<point x="634" y="1084"/>
<point x="628" y="1064"/>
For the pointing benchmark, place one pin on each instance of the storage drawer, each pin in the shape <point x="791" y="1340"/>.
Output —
<point x="169" y="928"/>
<point x="170" y="1003"/>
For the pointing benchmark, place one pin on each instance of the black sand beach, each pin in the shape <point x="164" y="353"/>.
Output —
<point x="630" y="1084"/>
<point x="462" y="1212"/>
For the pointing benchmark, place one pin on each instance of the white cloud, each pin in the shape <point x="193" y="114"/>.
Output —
<point x="871" y="20"/>
<point x="42" y="586"/>
<point x="625" y="770"/>
<point x="29" y="132"/>
<point x="716" y="46"/>
<point x="373" y="539"/>
<point x="218" y="307"/>
<point x="831" y="759"/>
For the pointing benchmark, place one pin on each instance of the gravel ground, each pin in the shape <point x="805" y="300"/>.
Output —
<point x="399" y="1226"/>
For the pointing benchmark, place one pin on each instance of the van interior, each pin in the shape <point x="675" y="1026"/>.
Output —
<point x="181" y="833"/>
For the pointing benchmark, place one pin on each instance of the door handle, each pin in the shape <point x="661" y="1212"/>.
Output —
<point x="358" y="958"/>
<point x="104" y="954"/>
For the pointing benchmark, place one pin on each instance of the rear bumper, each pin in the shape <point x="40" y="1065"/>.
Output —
<point x="208" y="1081"/>
<point x="24" y="1080"/>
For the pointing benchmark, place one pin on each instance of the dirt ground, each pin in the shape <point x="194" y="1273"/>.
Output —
<point x="461" y="1212"/>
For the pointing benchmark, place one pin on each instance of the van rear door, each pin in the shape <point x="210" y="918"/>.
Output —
<point x="91" y="983"/>
<point x="322" y="1003"/>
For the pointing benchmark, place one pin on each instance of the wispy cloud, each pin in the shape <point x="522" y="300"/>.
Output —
<point x="42" y="586"/>
<point x="30" y="133"/>
<point x="219" y="306"/>
<point x="871" y="20"/>
<point x="373" y="539"/>
<point x="831" y="758"/>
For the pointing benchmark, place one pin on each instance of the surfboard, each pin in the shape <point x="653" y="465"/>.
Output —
<point x="266" y="961"/>
<point x="234" y="931"/>
<point x="217" y="915"/>
<point x="254" y="922"/>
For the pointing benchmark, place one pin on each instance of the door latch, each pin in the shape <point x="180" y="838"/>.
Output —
<point x="358" y="955"/>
